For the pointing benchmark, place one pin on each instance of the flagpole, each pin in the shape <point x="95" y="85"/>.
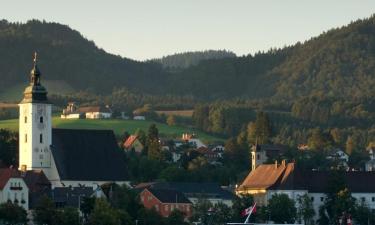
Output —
<point x="248" y="217"/>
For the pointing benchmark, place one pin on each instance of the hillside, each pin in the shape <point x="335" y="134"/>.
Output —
<point x="339" y="63"/>
<point x="118" y="126"/>
<point x="64" y="54"/>
<point x="187" y="59"/>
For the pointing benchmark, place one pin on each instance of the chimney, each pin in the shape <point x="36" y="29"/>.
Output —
<point x="275" y="164"/>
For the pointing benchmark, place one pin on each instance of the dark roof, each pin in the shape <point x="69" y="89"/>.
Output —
<point x="36" y="180"/>
<point x="191" y="189"/>
<point x="35" y="92"/>
<point x="88" y="155"/>
<point x="70" y="196"/>
<point x="169" y="196"/>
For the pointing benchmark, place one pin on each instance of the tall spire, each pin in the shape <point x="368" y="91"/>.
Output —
<point x="35" y="92"/>
<point x="35" y="73"/>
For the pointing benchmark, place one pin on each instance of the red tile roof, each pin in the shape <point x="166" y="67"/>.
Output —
<point x="6" y="174"/>
<point x="129" y="142"/>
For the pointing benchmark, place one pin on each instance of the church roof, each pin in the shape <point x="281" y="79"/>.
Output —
<point x="35" y="92"/>
<point x="264" y="176"/>
<point x="88" y="155"/>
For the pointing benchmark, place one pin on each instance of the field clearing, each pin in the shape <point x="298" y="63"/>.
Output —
<point x="184" y="113"/>
<point x="8" y="105"/>
<point x="118" y="126"/>
<point x="15" y="93"/>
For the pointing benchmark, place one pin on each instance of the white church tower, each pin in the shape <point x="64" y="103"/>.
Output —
<point x="35" y="126"/>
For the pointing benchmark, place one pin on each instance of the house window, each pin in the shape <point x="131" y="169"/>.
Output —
<point x="321" y="199"/>
<point x="25" y="119"/>
<point x="373" y="199"/>
<point x="41" y="119"/>
<point x="25" y="138"/>
<point x="41" y="138"/>
<point x="363" y="199"/>
<point x="312" y="199"/>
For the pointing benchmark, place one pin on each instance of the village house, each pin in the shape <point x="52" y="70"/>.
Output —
<point x="13" y="188"/>
<point x="89" y="112"/>
<point x="339" y="157"/>
<point x="22" y="187"/>
<point x="132" y="143"/>
<point x="68" y="157"/>
<point x="73" y="196"/>
<point x="193" y="140"/>
<point x="194" y="191"/>
<point x="164" y="201"/>
<point x="269" y="179"/>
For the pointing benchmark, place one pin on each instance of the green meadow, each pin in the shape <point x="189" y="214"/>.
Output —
<point x="118" y="126"/>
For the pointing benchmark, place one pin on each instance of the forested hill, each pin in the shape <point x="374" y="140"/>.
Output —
<point x="64" y="54"/>
<point x="187" y="59"/>
<point x="339" y="63"/>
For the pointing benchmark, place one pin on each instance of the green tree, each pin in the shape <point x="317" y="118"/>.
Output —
<point x="305" y="210"/>
<point x="149" y="217"/>
<point x="69" y="216"/>
<point x="262" y="128"/>
<point x="171" y="120"/>
<point x="45" y="212"/>
<point x="282" y="209"/>
<point x="12" y="214"/>
<point x="104" y="214"/>
<point x="176" y="218"/>
<point x="349" y="146"/>
<point x="201" y="211"/>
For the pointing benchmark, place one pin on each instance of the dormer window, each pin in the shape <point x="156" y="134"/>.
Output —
<point x="41" y="119"/>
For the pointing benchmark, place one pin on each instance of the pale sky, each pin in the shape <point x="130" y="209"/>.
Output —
<point x="143" y="29"/>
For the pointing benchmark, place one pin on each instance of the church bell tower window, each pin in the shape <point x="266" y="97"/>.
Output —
<point x="41" y="138"/>
<point x="41" y="119"/>
<point x="25" y="119"/>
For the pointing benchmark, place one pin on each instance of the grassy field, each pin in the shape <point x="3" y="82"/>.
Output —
<point x="118" y="126"/>
<point x="15" y="93"/>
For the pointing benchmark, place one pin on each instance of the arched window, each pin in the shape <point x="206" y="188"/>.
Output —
<point x="25" y="119"/>
<point x="41" y="138"/>
<point x="41" y="119"/>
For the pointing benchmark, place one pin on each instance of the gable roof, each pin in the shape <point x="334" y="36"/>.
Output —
<point x="169" y="196"/>
<point x="6" y="174"/>
<point x="88" y="155"/>
<point x="34" y="179"/>
<point x="129" y="142"/>
<point x="70" y="196"/>
<point x="264" y="176"/>
<point x="191" y="189"/>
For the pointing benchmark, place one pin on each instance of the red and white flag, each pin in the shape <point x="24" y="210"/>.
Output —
<point x="250" y="210"/>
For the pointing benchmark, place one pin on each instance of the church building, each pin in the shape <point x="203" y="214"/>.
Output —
<point x="68" y="157"/>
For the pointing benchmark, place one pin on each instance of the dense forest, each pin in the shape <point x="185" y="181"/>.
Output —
<point x="187" y="59"/>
